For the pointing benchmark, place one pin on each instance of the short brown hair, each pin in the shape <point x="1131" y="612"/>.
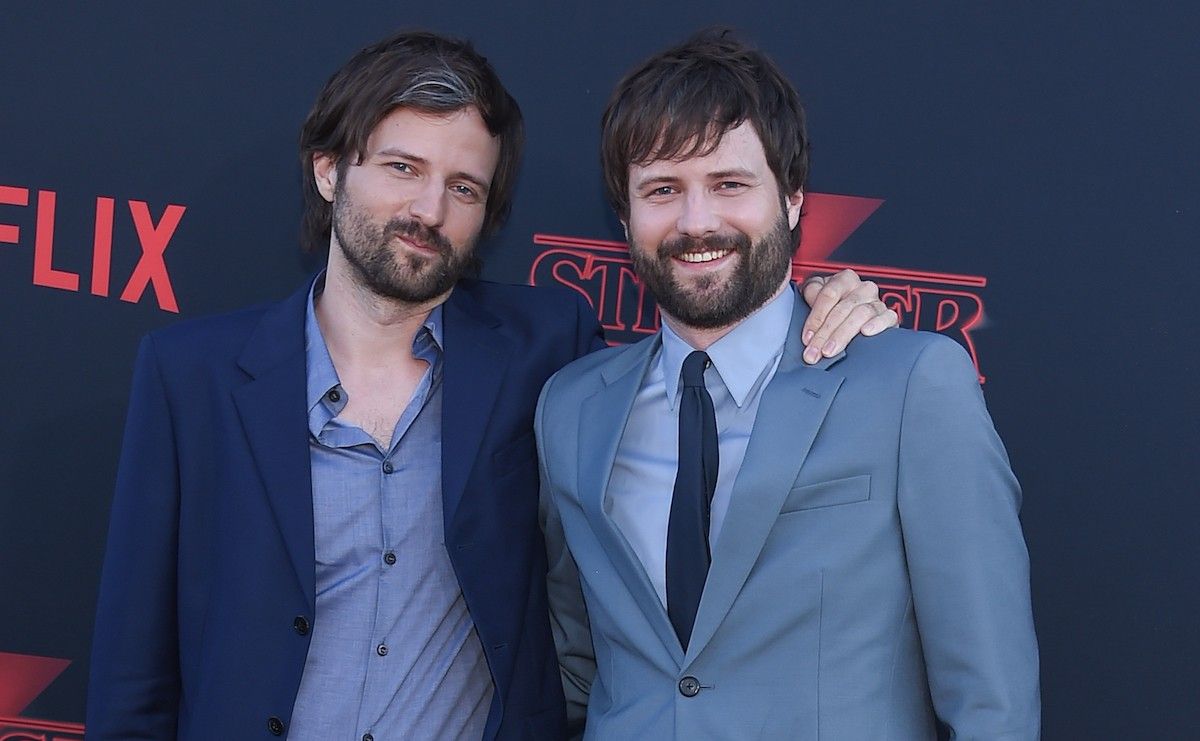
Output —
<point x="679" y="103"/>
<point x="410" y="69"/>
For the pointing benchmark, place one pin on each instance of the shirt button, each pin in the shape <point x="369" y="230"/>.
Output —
<point x="301" y="625"/>
<point x="334" y="395"/>
<point x="368" y="737"/>
<point x="689" y="687"/>
<point x="389" y="558"/>
<point x="388" y="467"/>
<point x="275" y="726"/>
<point x="381" y="649"/>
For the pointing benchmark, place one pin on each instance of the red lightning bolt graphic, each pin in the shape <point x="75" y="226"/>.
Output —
<point x="828" y="221"/>
<point x="22" y="678"/>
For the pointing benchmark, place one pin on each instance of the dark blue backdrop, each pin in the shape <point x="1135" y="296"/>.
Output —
<point x="1052" y="150"/>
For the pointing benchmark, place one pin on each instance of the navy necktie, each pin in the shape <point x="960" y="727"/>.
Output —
<point x="688" y="553"/>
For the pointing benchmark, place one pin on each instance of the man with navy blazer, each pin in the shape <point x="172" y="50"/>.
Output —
<point x="266" y="575"/>
<point x="743" y="546"/>
<point x="325" y="523"/>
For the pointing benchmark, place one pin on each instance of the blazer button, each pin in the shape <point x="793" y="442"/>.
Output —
<point x="275" y="726"/>
<point x="301" y="625"/>
<point x="689" y="686"/>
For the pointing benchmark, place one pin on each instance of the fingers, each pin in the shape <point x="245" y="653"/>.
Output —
<point x="810" y="291"/>
<point x="855" y="322"/>
<point x="843" y="308"/>
<point x="823" y="299"/>
<point x="885" y="319"/>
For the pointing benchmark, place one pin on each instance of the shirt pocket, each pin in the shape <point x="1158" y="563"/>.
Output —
<point x="833" y="493"/>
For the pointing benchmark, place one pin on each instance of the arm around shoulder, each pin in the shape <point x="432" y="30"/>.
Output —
<point x="967" y="559"/>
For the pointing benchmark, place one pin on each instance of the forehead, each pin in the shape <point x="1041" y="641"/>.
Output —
<point x="457" y="140"/>
<point x="740" y="148"/>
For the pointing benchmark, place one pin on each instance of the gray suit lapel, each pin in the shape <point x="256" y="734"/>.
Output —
<point x="792" y="409"/>
<point x="602" y="420"/>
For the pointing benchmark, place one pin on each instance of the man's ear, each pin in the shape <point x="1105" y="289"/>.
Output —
<point x="625" y="226"/>
<point x="325" y="175"/>
<point x="794" y="202"/>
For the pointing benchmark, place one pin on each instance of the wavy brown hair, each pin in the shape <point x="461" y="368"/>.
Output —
<point x="680" y="102"/>
<point x="410" y="69"/>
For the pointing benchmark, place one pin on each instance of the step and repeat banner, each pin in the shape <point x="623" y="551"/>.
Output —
<point x="1021" y="177"/>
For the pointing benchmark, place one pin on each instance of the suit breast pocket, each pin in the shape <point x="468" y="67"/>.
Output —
<point x="823" y="494"/>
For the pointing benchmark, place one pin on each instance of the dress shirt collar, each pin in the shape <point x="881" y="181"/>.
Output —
<point x="323" y="377"/>
<point x="739" y="357"/>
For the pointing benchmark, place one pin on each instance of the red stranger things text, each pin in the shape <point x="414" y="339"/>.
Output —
<point x="602" y="272"/>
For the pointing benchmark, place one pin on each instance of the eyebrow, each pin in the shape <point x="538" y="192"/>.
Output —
<point x="477" y="181"/>
<point x="736" y="172"/>
<point x="654" y="180"/>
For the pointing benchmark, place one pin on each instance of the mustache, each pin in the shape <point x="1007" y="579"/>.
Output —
<point x="737" y="242"/>
<point x="415" y="230"/>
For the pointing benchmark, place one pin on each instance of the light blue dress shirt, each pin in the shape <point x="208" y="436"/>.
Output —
<point x="643" y="477"/>
<point x="394" y="652"/>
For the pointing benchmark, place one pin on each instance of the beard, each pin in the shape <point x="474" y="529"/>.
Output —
<point x="369" y="248"/>
<point x="713" y="301"/>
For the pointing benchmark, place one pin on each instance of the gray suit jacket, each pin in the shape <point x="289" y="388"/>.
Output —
<point x="870" y="576"/>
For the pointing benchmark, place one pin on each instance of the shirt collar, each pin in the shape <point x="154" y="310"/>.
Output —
<point x="739" y="357"/>
<point x="323" y="377"/>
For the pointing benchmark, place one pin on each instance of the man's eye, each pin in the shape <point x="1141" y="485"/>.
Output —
<point x="731" y="185"/>
<point x="463" y="190"/>
<point x="665" y="190"/>
<point x="400" y="167"/>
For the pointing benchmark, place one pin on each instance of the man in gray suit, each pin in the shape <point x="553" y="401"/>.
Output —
<point x="767" y="549"/>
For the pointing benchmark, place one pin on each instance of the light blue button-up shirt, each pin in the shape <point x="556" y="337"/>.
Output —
<point x="394" y="652"/>
<point x="643" y="476"/>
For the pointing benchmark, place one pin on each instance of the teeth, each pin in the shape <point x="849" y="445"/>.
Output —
<point x="703" y="256"/>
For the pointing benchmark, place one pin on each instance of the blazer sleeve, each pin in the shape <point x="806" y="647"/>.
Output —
<point x="568" y="614"/>
<point x="967" y="561"/>
<point x="134" y="688"/>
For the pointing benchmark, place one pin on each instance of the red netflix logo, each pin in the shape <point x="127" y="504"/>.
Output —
<point x="154" y="234"/>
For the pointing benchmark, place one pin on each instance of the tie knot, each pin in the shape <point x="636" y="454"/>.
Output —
<point x="693" y="369"/>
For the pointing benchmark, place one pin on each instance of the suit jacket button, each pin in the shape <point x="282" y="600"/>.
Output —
<point x="275" y="726"/>
<point x="689" y="687"/>
<point x="301" y="625"/>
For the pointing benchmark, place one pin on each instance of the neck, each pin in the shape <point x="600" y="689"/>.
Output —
<point x="701" y="338"/>
<point x="362" y="327"/>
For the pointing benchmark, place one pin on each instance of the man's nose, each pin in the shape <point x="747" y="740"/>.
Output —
<point x="698" y="217"/>
<point x="429" y="205"/>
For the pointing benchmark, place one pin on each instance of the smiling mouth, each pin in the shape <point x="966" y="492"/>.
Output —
<point x="700" y="257"/>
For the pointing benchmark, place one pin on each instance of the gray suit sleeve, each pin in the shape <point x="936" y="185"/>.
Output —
<point x="568" y="614"/>
<point x="967" y="560"/>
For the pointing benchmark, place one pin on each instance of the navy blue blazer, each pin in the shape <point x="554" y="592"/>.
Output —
<point x="208" y="589"/>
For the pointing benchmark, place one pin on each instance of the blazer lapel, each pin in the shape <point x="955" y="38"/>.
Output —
<point x="602" y="420"/>
<point x="474" y="363"/>
<point x="272" y="410"/>
<point x="791" y="411"/>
